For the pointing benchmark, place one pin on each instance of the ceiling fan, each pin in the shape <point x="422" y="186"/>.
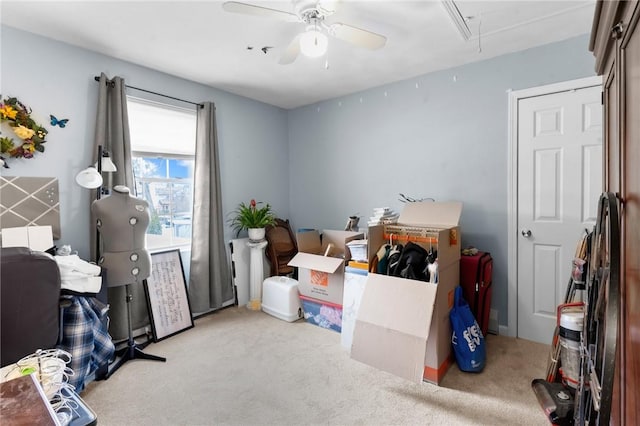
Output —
<point x="312" y="42"/>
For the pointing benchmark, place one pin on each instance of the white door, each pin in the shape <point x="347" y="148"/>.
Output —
<point x="559" y="182"/>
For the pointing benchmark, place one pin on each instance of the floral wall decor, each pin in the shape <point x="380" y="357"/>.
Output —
<point x="31" y="136"/>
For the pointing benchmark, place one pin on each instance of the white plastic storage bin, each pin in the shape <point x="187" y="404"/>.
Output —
<point x="280" y="298"/>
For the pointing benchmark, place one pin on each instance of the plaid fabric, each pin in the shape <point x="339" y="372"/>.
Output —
<point x="85" y="336"/>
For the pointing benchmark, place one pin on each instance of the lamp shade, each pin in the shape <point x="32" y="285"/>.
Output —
<point x="106" y="165"/>
<point x="313" y="43"/>
<point x="89" y="178"/>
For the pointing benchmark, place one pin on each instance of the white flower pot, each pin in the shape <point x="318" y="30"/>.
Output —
<point x="256" y="234"/>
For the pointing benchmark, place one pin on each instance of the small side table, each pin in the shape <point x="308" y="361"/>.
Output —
<point x="256" y="274"/>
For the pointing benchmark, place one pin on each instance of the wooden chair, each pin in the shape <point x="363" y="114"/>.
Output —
<point x="281" y="247"/>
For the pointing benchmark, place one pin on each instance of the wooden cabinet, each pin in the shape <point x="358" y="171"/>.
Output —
<point x="615" y="42"/>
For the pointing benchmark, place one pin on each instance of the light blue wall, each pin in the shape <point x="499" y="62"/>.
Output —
<point x="431" y="136"/>
<point x="57" y="78"/>
<point x="442" y="135"/>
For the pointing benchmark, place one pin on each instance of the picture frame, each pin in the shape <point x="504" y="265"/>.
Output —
<point x="167" y="296"/>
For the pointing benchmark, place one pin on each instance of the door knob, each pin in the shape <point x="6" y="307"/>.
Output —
<point x="526" y="233"/>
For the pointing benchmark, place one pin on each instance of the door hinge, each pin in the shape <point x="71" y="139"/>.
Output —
<point x="602" y="98"/>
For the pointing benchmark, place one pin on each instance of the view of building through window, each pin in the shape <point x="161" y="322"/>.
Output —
<point x="162" y="151"/>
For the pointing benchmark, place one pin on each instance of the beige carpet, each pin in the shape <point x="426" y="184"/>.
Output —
<point x="239" y="367"/>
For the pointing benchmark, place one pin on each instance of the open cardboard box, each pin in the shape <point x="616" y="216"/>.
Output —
<point x="403" y="325"/>
<point x="322" y="277"/>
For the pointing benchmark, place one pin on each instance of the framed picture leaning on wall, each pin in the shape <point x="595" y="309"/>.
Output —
<point x="167" y="297"/>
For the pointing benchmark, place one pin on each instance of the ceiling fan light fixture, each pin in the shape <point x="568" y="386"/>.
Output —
<point x="313" y="43"/>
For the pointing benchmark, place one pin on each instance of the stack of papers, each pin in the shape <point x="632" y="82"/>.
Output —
<point x="358" y="249"/>
<point x="383" y="215"/>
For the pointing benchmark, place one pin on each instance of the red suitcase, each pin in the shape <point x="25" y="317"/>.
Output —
<point x="475" y="280"/>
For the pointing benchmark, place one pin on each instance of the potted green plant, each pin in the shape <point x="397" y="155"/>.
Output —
<point x="252" y="218"/>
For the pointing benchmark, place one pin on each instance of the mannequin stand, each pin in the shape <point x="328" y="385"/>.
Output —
<point x="133" y="350"/>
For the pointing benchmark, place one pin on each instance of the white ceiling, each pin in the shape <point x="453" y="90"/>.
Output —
<point x="199" y="41"/>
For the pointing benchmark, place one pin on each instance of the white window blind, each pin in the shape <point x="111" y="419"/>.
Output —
<point x="159" y="128"/>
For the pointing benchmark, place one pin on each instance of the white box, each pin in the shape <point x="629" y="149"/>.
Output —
<point x="37" y="238"/>
<point x="355" y="280"/>
<point x="280" y="298"/>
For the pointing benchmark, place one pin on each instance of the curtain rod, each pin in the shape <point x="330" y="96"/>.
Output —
<point x="111" y="83"/>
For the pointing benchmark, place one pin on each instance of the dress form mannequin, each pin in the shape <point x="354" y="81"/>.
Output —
<point x="122" y="221"/>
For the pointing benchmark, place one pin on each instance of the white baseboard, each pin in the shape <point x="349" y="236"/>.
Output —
<point x="503" y="330"/>
<point x="493" y="321"/>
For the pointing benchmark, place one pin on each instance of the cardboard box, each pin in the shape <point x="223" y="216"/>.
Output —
<point x="439" y="356"/>
<point x="403" y="325"/>
<point x="336" y="241"/>
<point x="322" y="277"/>
<point x="429" y="224"/>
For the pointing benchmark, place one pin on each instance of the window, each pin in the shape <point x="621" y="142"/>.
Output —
<point x="163" y="141"/>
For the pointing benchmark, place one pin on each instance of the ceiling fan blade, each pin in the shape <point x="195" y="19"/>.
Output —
<point x="357" y="36"/>
<point x="292" y="51"/>
<point x="249" y="9"/>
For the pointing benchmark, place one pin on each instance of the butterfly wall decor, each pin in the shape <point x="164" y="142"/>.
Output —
<point x="55" y="122"/>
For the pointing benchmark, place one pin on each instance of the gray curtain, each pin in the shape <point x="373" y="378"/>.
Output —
<point x="209" y="279"/>
<point x="112" y="132"/>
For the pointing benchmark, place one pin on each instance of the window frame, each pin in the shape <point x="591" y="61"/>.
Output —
<point x="167" y="157"/>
